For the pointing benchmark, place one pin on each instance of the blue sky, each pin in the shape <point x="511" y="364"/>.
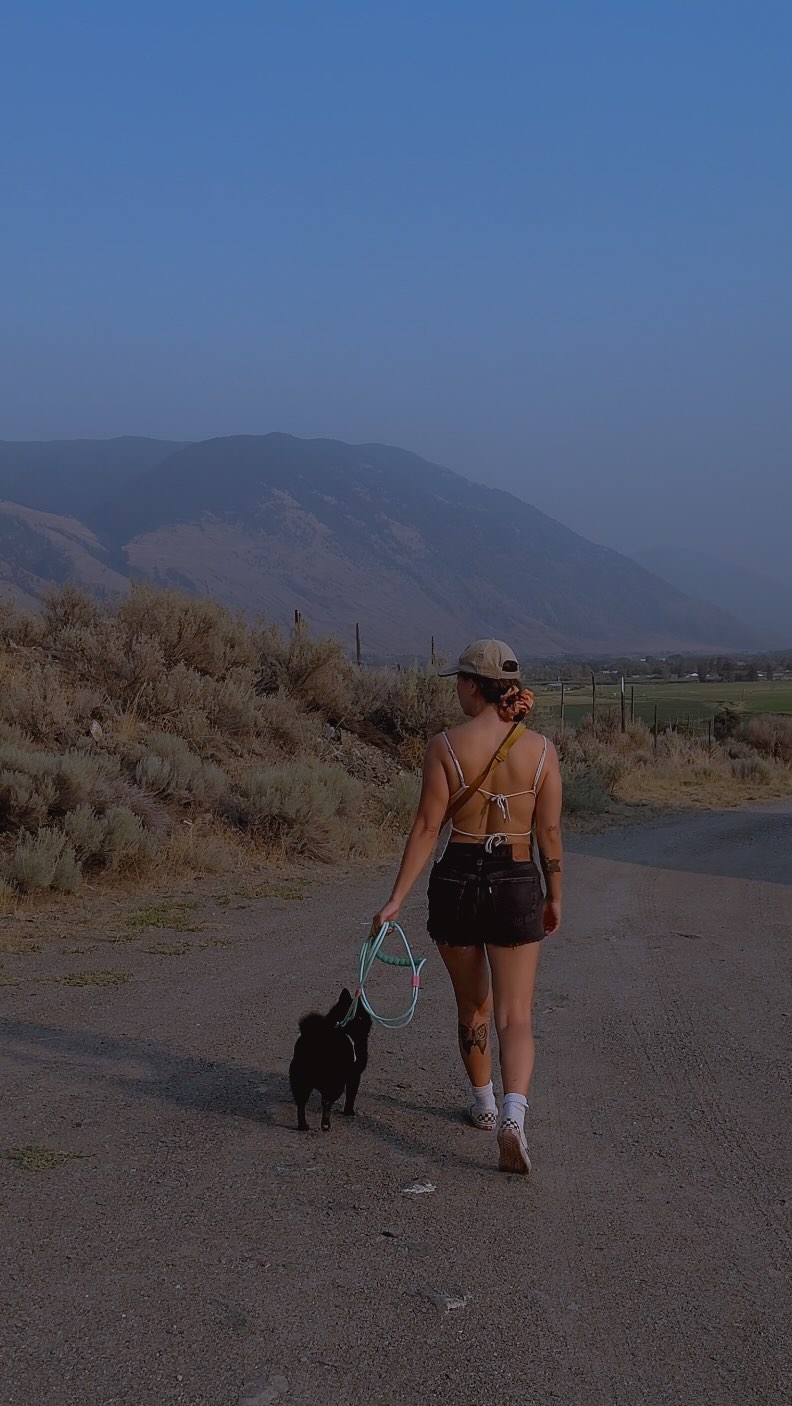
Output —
<point x="544" y="244"/>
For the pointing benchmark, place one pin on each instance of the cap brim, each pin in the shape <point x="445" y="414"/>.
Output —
<point x="447" y="673"/>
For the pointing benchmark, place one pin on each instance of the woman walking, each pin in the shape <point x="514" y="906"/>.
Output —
<point x="488" y="784"/>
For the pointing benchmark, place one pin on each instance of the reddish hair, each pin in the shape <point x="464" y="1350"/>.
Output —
<point x="511" y="701"/>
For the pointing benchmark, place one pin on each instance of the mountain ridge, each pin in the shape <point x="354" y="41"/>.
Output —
<point x="376" y="535"/>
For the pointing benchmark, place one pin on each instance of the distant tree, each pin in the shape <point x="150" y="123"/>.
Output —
<point x="751" y="673"/>
<point x="726" y="669"/>
<point x="703" y="669"/>
<point x="769" y="670"/>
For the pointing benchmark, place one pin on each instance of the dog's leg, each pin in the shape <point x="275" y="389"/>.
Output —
<point x="353" y="1084"/>
<point x="326" y="1106"/>
<point x="301" y="1092"/>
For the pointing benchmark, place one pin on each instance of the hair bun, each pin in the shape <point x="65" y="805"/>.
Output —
<point x="516" y="703"/>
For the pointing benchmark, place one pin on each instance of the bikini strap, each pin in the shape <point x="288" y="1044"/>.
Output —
<point x="540" y="767"/>
<point x="454" y="758"/>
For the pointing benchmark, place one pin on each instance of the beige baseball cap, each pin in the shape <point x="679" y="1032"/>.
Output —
<point x="490" y="659"/>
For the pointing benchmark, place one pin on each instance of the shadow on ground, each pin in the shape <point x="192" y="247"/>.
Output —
<point x="143" y="1069"/>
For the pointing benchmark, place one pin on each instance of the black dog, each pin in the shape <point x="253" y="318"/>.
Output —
<point x="330" y="1058"/>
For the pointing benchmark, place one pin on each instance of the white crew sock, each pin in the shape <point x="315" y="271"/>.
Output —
<point x="514" y="1106"/>
<point x="484" y="1099"/>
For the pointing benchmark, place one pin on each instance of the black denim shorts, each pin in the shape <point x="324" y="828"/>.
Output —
<point x="478" y="899"/>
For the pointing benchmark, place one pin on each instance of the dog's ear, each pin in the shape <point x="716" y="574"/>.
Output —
<point x="341" y="1007"/>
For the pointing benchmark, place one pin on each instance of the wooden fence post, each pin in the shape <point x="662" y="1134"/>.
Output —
<point x="562" y="704"/>
<point x="632" y="703"/>
<point x="357" y="645"/>
<point x="623" y="707"/>
<point x="433" y="652"/>
<point x="655" y="728"/>
<point x="593" y="700"/>
<point x="709" y="737"/>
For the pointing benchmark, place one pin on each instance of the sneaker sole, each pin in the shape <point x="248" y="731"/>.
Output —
<point x="513" y="1156"/>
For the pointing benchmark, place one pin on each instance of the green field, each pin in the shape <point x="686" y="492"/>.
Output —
<point x="677" y="701"/>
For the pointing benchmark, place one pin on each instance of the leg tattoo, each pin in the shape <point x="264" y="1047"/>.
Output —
<point x="471" y="1036"/>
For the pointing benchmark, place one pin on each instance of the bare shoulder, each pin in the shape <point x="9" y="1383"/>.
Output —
<point x="550" y="750"/>
<point x="452" y="733"/>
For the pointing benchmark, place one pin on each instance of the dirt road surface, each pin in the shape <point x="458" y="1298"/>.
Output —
<point x="200" y="1252"/>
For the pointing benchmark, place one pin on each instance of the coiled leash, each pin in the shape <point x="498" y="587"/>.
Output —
<point x="370" y="953"/>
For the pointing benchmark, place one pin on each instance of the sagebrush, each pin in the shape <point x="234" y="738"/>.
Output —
<point x="167" y="731"/>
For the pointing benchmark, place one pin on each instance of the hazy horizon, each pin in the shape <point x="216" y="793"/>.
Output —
<point x="546" y="250"/>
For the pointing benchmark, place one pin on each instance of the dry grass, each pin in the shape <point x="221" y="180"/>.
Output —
<point x="177" y="917"/>
<point x="678" y="772"/>
<point x="94" y="978"/>
<point x="41" y="1159"/>
<point x="168" y="949"/>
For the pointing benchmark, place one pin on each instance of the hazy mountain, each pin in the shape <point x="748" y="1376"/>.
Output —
<point x="39" y="550"/>
<point x="378" y="535"/>
<point x="763" y="603"/>
<point x="71" y="476"/>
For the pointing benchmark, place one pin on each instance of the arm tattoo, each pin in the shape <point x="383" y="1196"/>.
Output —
<point x="473" y="1035"/>
<point x="549" y="866"/>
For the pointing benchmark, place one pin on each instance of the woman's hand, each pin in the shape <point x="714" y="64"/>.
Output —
<point x="387" y="914"/>
<point x="551" y="916"/>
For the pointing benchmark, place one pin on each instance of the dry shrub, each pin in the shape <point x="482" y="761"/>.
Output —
<point x="234" y="706"/>
<point x="301" y="809"/>
<point x="414" y="703"/>
<point x="59" y="782"/>
<point x="18" y="628"/>
<point x="770" y="735"/>
<point x="87" y="831"/>
<point x="285" y="722"/>
<point x="183" y="698"/>
<point x="35" y="702"/>
<point x="170" y="768"/>
<point x="397" y="802"/>
<point x="24" y="802"/>
<point x="199" y="850"/>
<point x="126" y="844"/>
<point x="316" y="671"/>
<point x="43" y="861"/>
<point x="193" y="631"/>
<point x="752" y="769"/>
<point x="584" y="791"/>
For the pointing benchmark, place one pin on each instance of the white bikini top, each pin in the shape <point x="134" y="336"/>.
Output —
<point x="497" y="798"/>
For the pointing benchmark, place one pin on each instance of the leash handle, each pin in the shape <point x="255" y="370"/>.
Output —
<point x="369" y="953"/>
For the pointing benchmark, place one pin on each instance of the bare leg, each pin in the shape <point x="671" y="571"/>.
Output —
<point x="469" y="972"/>
<point x="513" y="982"/>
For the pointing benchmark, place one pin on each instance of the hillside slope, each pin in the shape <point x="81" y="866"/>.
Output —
<point x="39" y="550"/>
<point x="378" y="535"/>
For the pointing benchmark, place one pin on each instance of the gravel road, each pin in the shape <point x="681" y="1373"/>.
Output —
<point x="200" y="1252"/>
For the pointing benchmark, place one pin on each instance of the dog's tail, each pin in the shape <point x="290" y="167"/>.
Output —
<point x="312" y="1024"/>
